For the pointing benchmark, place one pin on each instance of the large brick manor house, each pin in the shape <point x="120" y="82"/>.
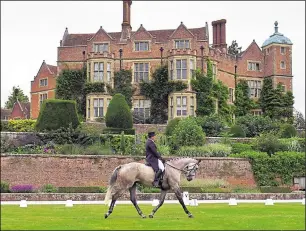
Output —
<point x="183" y="49"/>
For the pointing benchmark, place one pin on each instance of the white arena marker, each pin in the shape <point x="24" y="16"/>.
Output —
<point x="186" y="198"/>
<point x="155" y="202"/>
<point x="303" y="201"/>
<point x="269" y="202"/>
<point x="232" y="201"/>
<point x="69" y="203"/>
<point x="193" y="202"/>
<point x="23" y="204"/>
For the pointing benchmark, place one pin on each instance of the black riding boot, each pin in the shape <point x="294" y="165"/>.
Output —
<point x="156" y="178"/>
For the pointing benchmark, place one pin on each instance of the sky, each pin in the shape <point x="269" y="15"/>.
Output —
<point x="31" y="31"/>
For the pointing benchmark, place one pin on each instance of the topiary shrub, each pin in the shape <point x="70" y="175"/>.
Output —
<point x="171" y="126"/>
<point x="237" y="131"/>
<point x="55" y="114"/>
<point x="188" y="133"/>
<point x="118" y="113"/>
<point x="288" y="131"/>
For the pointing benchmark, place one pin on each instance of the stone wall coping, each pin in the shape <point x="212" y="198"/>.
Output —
<point x="110" y="156"/>
<point x="146" y="196"/>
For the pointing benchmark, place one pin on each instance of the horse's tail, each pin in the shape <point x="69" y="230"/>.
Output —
<point x="111" y="184"/>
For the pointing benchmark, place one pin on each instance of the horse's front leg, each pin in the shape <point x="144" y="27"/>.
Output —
<point x="161" y="201"/>
<point x="178" y="194"/>
<point x="133" y="199"/>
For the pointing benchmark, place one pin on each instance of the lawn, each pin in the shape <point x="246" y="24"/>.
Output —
<point x="170" y="217"/>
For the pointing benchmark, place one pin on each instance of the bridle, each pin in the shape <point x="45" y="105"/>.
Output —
<point x="182" y="170"/>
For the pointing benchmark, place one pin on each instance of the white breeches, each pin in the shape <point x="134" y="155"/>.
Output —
<point x="161" y="165"/>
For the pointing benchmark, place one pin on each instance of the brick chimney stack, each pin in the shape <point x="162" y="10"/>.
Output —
<point x="126" y="24"/>
<point x="219" y="34"/>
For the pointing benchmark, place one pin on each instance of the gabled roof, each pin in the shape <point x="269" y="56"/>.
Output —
<point x="142" y="29"/>
<point x="101" y="31"/>
<point x="52" y="69"/>
<point x="182" y="25"/>
<point x="245" y="51"/>
<point x="24" y="107"/>
<point x="160" y="36"/>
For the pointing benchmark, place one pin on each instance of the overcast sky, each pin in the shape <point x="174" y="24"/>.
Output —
<point x="31" y="31"/>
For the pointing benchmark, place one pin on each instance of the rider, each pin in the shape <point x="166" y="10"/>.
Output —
<point x="154" y="158"/>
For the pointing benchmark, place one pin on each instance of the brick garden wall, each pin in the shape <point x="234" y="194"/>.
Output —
<point x="63" y="170"/>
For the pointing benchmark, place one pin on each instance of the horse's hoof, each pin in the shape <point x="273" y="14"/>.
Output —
<point x="190" y="215"/>
<point x="143" y="216"/>
<point x="151" y="216"/>
<point x="106" y="215"/>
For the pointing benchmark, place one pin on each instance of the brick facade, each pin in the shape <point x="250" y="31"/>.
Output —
<point x="76" y="50"/>
<point x="63" y="171"/>
<point x="42" y="87"/>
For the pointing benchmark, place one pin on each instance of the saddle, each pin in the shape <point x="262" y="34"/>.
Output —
<point x="161" y="176"/>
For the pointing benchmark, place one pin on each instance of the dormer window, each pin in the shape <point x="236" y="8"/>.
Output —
<point x="141" y="46"/>
<point x="100" y="47"/>
<point x="182" y="44"/>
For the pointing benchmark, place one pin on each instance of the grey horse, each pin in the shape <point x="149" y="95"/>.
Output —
<point x="128" y="175"/>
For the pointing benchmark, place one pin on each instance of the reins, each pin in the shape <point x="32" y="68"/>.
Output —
<point x="178" y="168"/>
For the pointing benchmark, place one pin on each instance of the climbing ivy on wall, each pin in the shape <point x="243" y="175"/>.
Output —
<point x="276" y="170"/>
<point x="158" y="91"/>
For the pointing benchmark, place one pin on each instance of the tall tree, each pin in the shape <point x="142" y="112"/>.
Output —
<point x="233" y="49"/>
<point x="158" y="91"/>
<point x="243" y="103"/>
<point x="299" y="120"/>
<point x="17" y="93"/>
<point x="275" y="103"/>
<point x="70" y="85"/>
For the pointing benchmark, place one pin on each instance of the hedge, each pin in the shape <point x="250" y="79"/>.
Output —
<point x="279" y="169"/>
<point x="81" y="189"/>
<point x="56" y="114"/>
<point x="26" y="125"/>
<point x="128" y="131"/>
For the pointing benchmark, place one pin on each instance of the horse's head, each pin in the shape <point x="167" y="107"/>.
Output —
<point x="190" y="170"/>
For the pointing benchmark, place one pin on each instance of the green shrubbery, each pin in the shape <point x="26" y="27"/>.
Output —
<point x="212" y="150"/>
<point x="5" y="187"/>
<point x="241" y="147"/>
<point x="237" y="131"/>
<point x="55" y="114"/>
<point x="268" y="142"/>
<point x="25" y="125"/>
<point x="171" y="126"/>
<point x="212" y="125"/>
<point x="118" y="113"/>
<point x="288" y="131"/>
<point x="188" y="133"/>
<point x="49" y="188"/>
<point x="255" y="125"/>
<point x="282" y="165"/>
